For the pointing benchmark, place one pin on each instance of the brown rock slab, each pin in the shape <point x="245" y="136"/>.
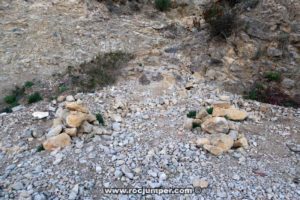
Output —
<point x="219" y="112"/>
<point x="59" y="141"/>
<point x="236" y="114"/>
<point x="221" y="104"/>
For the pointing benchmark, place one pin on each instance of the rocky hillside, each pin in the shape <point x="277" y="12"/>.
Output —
<point x="117" y="94"/>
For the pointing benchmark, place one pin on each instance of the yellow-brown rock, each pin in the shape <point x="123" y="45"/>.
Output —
<point x="71" y="131"/>
<point x="75" y="119"/>
<point x="74" y="106"/>
<point x="221" y="104"/>
<point x="241" y="142"/>
<point x="236" y="114"/>
<point x="59" y="141"/>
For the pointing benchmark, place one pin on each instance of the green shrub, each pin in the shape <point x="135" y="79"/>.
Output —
<point x="40" y="148"/>
<point x="162" y="5"/>
<point x="6" y="110"/>
<point x="28" y="84"/>
<point x="272" y="76"/>
<point x="210" y="110"/>
<point x="10" y="99"/>
<point x="192" y="114"/>
<point x="100" y="119"/>
<point x="62" y="88"/>
<point x="35" y="97"/>
<point x="195" y="125"/>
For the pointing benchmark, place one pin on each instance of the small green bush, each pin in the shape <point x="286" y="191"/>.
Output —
<point x="62" y="88"/>
<point x="210" y="110"/>
<point x="10" y="99"/>
<point x="162" y="5"/>
<point x="28" y="84"/>
<point x="100" y="119"/>
<point x="40" y="148"/>
<point x="272" y="76"/>
<point x="192" y="114"/>
<point x="35" y="97"/>
<point x="195" y="125"/>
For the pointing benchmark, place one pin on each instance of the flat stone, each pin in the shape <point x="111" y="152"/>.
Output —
<point x="200" y="183"/>
<point x="236" y="114"/>
<point x="221" y="104"/>
<point x="40" y="115"/>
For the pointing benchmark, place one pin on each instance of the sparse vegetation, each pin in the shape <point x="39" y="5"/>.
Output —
<point x="28" y="84"/>
<point x="100" y="119"/>
<point x="271" y="95"/>
<point x="103" y="70"/>
<point x="35" y="97"/>
<point x="10" y="99"/>
<point x="272" y="76"/>
<point x="62" y="88"/>
<point x="192" y="114"/>
<point x="221" y="18"/>
<point x="162" y="5"/>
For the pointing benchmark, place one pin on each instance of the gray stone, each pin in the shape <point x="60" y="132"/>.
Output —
<point x="18" y="186"/>
<point x="54" y="131"/>
<point x="288" y="83"/>
<point x="74" y="192"/>
<point x="127" y="172"/>
<point x="116" y="126"/>
<point x="273" y="52"/>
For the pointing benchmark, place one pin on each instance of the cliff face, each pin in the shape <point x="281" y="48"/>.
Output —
<point x="39" y="39"/>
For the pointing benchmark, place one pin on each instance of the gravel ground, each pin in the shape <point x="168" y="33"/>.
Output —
<point x="149" y="148"/>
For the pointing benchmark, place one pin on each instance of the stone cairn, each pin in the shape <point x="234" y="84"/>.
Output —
<point x="71" y="119"/>
<point x="224" y="134"/>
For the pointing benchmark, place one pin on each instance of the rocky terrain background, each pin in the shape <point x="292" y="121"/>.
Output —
<point x="172" y="67"/>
